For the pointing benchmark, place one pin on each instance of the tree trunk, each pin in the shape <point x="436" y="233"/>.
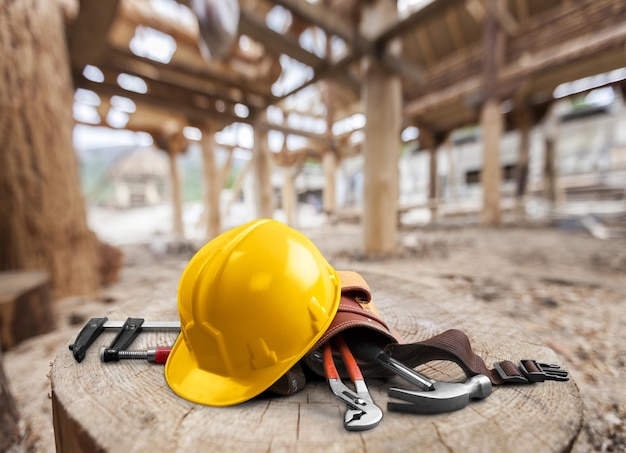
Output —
<point x="42" y="214"/>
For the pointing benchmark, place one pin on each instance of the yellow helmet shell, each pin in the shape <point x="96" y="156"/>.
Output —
<point x="251" y="302"/>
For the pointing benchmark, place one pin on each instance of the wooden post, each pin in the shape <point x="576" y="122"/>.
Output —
<point x="176" y="193"/>
<point x="491" y="118"/>
<point x="453" y="182"/>
<point x="550" y="173"/>
<point x="329" y="162"/>
<point x="238" y="185"/>
<point x="329" y="156"/>
<point x="289" y="197"/>
<point x="523" y="122"/>
<point x="212" y="183"/>
<point x="430" y="142"/>
<point x="262" y="167"/>
<point x="382" y="100"/>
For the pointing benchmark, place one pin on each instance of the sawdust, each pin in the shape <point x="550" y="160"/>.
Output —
<point x="564" y="286"/>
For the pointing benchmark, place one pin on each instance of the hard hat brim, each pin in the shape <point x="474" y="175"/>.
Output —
<point x="191" y="382"/>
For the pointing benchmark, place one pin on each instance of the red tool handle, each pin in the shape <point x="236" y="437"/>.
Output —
<point x="161" y="355"/>
<point x="329" y="364"/>
<point x="348" y="359"/>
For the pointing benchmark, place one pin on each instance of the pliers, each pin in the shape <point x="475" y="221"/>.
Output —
<point x="362" y="414"/>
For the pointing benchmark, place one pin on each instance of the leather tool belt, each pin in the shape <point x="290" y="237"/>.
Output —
<point x="359" y="320"/>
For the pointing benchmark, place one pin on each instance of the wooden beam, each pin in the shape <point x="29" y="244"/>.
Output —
<point x="191" y="76"/>
<point x="87" y="36"/>
<point x="454" y="27"/>
<point x="426" y="47"/>
<point x="414" y="21"/>
<point x="334" y="25"/>
<point x="194" y="113"/>
<point x="443" y="84"/>
<point x="522" y="11"/>
<point x="507" y="21"/>
<point x="279" y="44"/>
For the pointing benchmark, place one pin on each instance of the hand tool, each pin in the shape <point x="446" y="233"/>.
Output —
<point x="368" y="416"/>
<point x="437" y="397"/>
<point x="156" y="355"/>
<point x="447" y="396"/>
<point x="352" y="416"/>
<point x="372" y="352"/>
<point x="129" y="330"/>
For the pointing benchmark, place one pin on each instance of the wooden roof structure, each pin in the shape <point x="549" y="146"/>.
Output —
<point x="548" y="42"/>
<point x="450" y="57"/>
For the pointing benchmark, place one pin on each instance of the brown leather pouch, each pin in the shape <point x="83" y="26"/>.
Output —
<point x="358" y="319"/>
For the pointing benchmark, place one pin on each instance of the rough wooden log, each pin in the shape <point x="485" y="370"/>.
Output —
<point x="128" y="406"/>
<point x="43" y="224"/>
<point x="10" y="429"/>
<point x="25" y="306"/>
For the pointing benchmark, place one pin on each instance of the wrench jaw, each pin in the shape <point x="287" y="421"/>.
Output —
<point x="362" y="414"/>
<point x="447" y="396"/>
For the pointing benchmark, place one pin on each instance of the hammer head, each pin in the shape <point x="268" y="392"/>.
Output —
<point x="446" y="397"/>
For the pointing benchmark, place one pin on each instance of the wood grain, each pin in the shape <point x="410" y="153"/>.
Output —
<point x="129" y="407"/>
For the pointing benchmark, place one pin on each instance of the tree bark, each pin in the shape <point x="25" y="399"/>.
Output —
<point x="42" y="214"/>
<point x="10" y="432"/>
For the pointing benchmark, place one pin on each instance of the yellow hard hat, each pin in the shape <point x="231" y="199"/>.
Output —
<point x="252" y="302"/>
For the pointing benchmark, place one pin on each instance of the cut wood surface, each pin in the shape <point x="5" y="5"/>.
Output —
<point x="25" y="306"/>
<point x="128" y="406"/>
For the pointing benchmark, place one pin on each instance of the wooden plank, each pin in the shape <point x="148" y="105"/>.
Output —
<point x="25" y="306"/>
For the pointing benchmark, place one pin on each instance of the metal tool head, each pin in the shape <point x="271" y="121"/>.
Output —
<point x="363" y="414"/>
<point x="447" y="396"/>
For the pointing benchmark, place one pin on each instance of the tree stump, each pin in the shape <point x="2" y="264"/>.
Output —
<point x="25" y="306"/>
<point x="128" y="406"/>
<point x="10" y="430"/>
